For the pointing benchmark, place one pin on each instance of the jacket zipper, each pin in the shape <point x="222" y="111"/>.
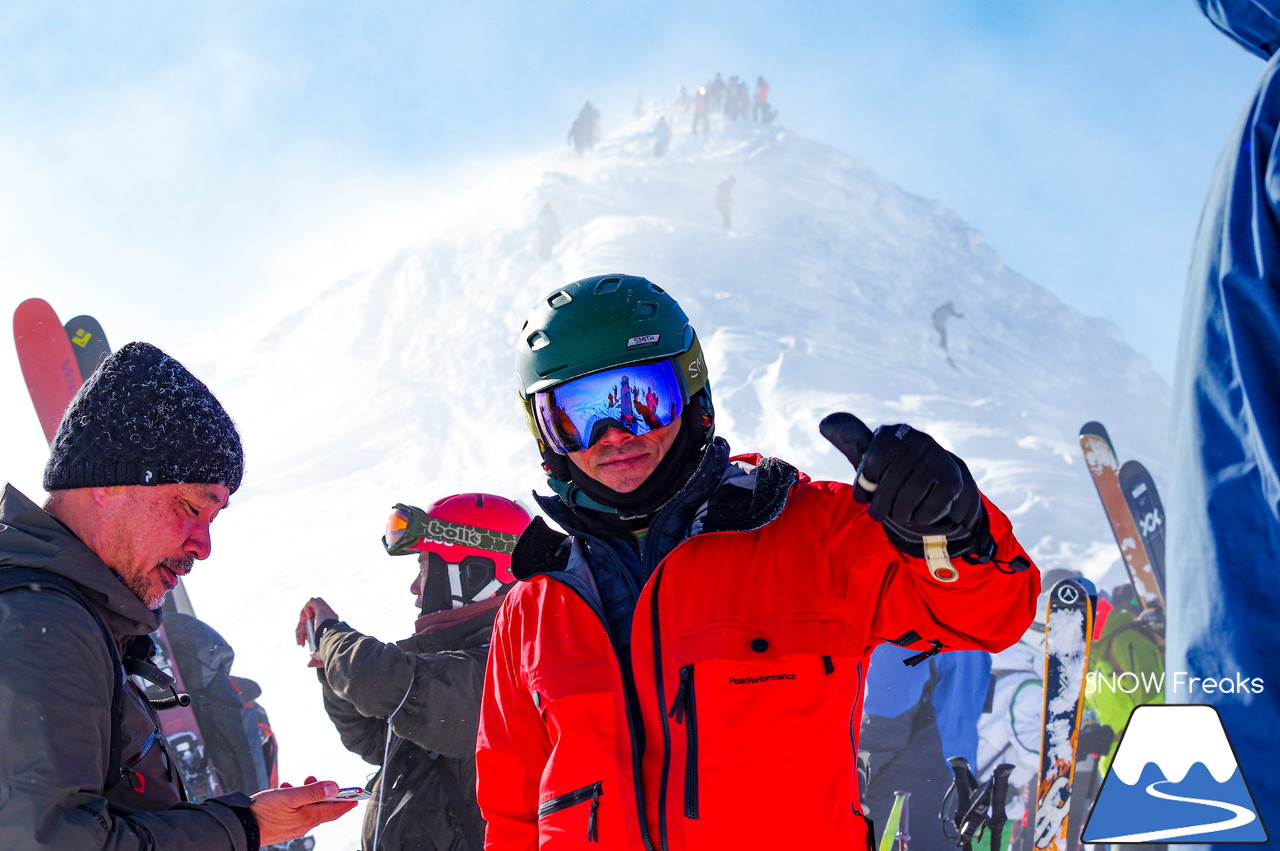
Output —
<point x="631" y="704"/>
<point x="138" y="782"/>
<point x="684" y="710"/>
<point x="590" y="793"/>
<point x="854" y="719"/>
<point x="655" y="620"/>
<point x="631" y="697"/>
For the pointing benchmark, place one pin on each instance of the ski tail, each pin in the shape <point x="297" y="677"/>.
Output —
<point x="88" y="341"/>
<point x="1104" y="468"/>
<point x="48" y="361"/>
<point x="1144" y="503"/>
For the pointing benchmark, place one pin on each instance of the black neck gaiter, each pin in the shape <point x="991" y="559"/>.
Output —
<point x="635" y="508"/>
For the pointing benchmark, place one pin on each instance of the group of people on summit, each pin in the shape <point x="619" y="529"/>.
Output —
<point x="677" y="643"/>
<point x="732" y="100"/>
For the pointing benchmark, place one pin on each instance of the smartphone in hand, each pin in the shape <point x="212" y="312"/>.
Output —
<point x="350" y="793"/>
<point x="311" y="634"/>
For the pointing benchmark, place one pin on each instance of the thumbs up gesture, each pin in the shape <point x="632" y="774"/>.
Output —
<point x="910" y="484"/>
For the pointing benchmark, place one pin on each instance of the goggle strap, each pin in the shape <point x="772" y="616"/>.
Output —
<point x="447" y="532"/>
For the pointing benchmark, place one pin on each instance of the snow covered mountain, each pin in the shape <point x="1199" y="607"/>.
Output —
<point x="397" y="385"/>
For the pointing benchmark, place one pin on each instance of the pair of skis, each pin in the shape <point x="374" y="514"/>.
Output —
<point x="56" y="359"/>
<point x="1136" y="516"/>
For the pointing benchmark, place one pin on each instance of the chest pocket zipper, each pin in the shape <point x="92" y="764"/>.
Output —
<point x="684" y="710"/>
<point x="138" y="782"/>
<point x="571" y="799"/>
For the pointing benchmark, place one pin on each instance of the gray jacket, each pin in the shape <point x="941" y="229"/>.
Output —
<point x="427" y="689"/>
<point x="56" y="680"/>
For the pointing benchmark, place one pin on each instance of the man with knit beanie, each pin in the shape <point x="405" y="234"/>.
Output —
<point x="143" y="461"/>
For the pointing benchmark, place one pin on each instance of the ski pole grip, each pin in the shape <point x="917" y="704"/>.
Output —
<point x="851" y="436"/>
<point x="1000" y="792"/>
<point x="965" y="785"/>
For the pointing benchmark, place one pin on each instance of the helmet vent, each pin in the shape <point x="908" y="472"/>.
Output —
<point x="538" y="340"/>
<point x="560" y="299"/>
<point x="644" y="310"/>
<point x="608" y="285"/>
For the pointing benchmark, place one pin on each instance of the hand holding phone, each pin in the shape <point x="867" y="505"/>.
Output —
<point x="314" y="613"/>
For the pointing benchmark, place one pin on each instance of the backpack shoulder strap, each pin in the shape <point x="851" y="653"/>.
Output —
<point x="41" y="580"/>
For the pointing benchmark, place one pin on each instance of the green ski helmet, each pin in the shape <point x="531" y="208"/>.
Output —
<point x="604" y="322"/>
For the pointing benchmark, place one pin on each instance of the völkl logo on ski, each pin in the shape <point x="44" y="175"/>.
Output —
<point x="1175" y="778"/>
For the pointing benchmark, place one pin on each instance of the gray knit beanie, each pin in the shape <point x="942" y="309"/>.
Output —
<point x="143" y="419"/>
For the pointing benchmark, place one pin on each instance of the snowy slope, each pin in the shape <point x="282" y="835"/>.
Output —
<point x="397" y="385"/>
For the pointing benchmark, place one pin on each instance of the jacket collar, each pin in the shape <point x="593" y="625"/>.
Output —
<point x="745" y="492"/>
<point x="454" y="629"/>
<point x="31" y="537"/>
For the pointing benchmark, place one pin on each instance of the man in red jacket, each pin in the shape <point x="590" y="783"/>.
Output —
<point x="685" y="669"/>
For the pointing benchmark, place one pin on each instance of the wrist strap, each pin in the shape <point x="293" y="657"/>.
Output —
<point x="326" y="626"/>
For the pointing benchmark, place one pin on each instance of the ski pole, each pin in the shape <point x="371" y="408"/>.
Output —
<point x="975" y="818"/>
<point x="999" y="795"/>
<point x="903" y="836"/>
<point x="964" y="785"/>
<point x="891" y="824"/>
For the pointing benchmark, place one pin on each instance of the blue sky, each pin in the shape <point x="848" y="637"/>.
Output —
<point x="164" y="164"/>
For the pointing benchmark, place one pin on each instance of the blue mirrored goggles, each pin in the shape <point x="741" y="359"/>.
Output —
<point x="636" y="398"/>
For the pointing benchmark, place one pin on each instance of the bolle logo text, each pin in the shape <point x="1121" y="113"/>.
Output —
<point x="452" y="533"/>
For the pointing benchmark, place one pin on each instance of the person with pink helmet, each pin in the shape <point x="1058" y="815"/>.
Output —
<point x="412" y="706"/>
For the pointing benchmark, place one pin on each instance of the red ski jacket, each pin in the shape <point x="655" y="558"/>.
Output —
<point x="737" y="723"/>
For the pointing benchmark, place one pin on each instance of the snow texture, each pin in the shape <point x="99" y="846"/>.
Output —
<point x="398" y="384"/>
<point x="1066" y="642"/>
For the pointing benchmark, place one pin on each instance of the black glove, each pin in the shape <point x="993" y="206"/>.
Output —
<point x="912" y="486"/>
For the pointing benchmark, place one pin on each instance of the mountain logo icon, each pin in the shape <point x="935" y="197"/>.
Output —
<point x="1174" y="778"/>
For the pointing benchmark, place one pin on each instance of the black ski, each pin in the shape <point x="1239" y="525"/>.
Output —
<point x="1148" y="513"/>
<point x="1068" y="636"/>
